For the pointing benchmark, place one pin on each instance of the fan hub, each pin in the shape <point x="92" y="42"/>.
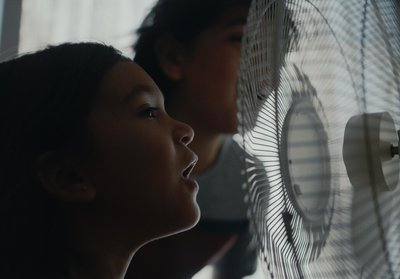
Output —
<point x="305" y="158"/>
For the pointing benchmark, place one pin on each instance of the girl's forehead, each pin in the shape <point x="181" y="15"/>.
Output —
<point x="124" y="80"/>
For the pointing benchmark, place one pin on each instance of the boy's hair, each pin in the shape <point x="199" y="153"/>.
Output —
<point x="181" y="19"/>
<point x="45" y="98"/>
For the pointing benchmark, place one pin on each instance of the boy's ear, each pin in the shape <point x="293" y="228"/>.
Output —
<point x="170" y="54"/>
<point x="63" y="179"/>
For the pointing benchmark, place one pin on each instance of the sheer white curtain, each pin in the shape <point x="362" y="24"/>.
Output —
<point x="113" y="22"/>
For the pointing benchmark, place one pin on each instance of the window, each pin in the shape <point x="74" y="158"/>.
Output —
<point x="10" y="14"/>
<point x="1" y="16"/>
<point x="114" y="22"/>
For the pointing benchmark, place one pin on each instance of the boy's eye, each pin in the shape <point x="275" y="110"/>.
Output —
<point x="150" y="112"/>
<point x="236" y="38"/>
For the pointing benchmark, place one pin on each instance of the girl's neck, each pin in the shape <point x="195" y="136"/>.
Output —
<point x="99" y="253"/>
<point x="95" y="264"/>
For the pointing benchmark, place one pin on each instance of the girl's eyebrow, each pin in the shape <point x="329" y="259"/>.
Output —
<point x="140" y="89"/>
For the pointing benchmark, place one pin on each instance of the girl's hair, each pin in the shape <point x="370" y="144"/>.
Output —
<point x="45" y="98"/>
<point x="181" y="19"/>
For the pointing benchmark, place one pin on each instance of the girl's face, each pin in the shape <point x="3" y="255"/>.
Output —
<point x="210" y="69"/>
<point x="140" y="162"/>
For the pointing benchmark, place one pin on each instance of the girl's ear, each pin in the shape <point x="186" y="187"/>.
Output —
<point x="170" y="54"/>
<point x="62" y="178"/>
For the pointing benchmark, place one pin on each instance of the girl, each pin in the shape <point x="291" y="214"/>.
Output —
<point x="91" y="165"/>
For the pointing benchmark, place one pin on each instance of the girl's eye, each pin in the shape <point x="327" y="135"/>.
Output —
<point x="150" y="112"/>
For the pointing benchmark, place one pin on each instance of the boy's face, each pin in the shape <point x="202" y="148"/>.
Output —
<point x="140" y="162"/>
<point x="210" y="70"/>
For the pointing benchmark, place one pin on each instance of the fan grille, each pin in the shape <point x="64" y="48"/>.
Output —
<point x="307" y="67"/>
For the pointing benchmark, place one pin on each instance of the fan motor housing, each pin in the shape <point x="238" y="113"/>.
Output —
<point x="367" y="151"/>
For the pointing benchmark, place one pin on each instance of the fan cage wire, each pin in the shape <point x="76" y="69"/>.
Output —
<point x="263" y="103"/>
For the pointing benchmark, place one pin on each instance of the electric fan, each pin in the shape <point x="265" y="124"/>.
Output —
<point x="319" y="109"/>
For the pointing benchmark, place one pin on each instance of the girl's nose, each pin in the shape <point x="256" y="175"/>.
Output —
<point x="183" y="133"/>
